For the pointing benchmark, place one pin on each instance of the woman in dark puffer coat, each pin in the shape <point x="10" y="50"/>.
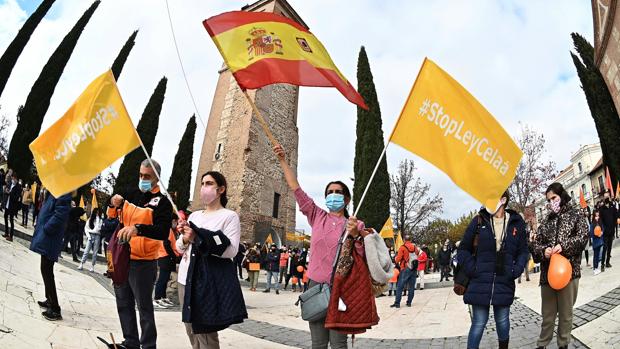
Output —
<point x="499" y="258"/>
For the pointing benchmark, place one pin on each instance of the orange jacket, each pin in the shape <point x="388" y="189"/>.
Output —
<point x="151" y="214"/>
<point x="403" y="254"/>
<point x="163" y="252"/>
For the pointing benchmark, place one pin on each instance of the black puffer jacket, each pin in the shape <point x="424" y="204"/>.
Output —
<point x="213" y="297"/>
<point x="569" y="229"/>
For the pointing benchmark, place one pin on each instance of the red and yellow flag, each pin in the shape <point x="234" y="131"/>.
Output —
<point x="266" y="48"/>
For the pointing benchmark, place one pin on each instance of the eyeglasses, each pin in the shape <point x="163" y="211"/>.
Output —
<point x="335" y="191"/>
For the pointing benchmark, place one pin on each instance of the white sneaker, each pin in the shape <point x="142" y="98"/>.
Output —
<point x="81" y="266"/>
<point x="157" y="304"/>
<point x="91" y="269"/>
<point x="597" y="271"/>
<point x="167" y="302"/>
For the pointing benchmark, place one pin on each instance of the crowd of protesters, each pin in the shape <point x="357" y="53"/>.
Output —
<point x="496" y="249"/>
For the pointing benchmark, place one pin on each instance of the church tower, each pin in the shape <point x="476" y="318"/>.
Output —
<point x="236" y="146"/>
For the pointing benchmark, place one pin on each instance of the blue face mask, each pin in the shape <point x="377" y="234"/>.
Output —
<point x="334" y="202"/>
<point x="145" y="185"/>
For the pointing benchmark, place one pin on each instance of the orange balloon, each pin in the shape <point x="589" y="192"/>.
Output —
<point x="300" y="269"/>
<point x="560" y="271"/>
<point x="598" y="231"/>
<point x="294" y="280"/>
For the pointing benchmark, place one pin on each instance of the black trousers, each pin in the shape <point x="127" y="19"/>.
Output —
<point x="608" y="239"/>
<point x="138" y="290"/>
<point x="9" y="217"/>
<point x="47" y="272"/>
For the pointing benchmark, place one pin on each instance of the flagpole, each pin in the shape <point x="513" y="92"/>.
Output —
<point x="260" y="118"/>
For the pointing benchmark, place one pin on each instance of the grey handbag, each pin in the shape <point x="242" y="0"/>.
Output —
<point x="315" y="300"/>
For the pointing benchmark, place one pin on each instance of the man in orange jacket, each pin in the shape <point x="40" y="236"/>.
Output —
<point x="146" y="216"/>
<point x="407" y="261"/>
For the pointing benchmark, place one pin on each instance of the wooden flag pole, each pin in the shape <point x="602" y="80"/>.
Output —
<point x="260" y="119"/>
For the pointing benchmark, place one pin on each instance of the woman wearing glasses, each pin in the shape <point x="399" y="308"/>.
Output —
<point x="327" y="228"/>
<point x="563" y="231"/>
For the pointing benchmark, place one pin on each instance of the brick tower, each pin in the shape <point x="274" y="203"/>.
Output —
<point x="235" y="145"/>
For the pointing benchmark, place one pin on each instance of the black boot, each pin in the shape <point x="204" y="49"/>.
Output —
<point x="390" y="293"/>
<point x="503" y="344"/>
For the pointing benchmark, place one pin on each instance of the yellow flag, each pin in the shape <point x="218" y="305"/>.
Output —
<point x="398" y="242"/>
<point x="387" y="232"/>
<point x="92" y="134"/>
<point x="83" y="217"/>
<point x="269" y="240"/>
<point x="444" y="124"/>
<point x="81" y="201"/>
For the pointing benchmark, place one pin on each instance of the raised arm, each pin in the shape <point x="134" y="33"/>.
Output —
<point x="291" y="178"/>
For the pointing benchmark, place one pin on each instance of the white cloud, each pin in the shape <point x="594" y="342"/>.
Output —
<point x="513" y="56"/>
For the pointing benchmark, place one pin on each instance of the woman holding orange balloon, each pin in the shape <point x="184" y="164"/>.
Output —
<point x="561" y="239"/>
<point x="596" y="236"/>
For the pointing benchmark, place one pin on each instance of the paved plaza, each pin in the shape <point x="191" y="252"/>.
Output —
<point x="438" y="318"/>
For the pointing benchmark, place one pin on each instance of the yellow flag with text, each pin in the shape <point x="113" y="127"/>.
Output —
<point x="444" y="124"/>
<point x="93" y="133"/>
<point x="387" y="232"/>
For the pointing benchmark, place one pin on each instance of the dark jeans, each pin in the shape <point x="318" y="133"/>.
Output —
<point x="597" y="256"/>
<point x="480" y="316"/>
<point x="240" y="268"/>
<point x="47" y="272"/>
<point x="445" y="273"/>
<point x="162" y="283"/>
<point x="608" y="239"/>
<point x="71" y="241"/>
<point x="25" y="209"/>
<point x="406" y="277"/>
<point x="9" y="217"/>
<point x="138" y="290"/>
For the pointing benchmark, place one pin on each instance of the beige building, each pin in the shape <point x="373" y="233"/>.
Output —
<point x="606" y="19"/>
<point x="576" y="177"/>
<point x="235" y="145"/>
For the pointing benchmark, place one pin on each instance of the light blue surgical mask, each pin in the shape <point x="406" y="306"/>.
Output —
<point x="334" y="202"/>
<point x="145" y="185"/>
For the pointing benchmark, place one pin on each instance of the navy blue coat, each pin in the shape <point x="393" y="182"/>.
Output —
<point x="486" y="286"/>
<point x="213" y="298"/>
<point x="51" y="223"/>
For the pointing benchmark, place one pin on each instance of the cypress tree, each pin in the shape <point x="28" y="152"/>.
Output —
<point x="601" y="104"/>
<point x="38" y="100"/>
<point x="368" y="147"/>
<point x="180" y="179"/>
<point x="12" y="53"/>
<point x="147" y="130"/>
<point x="120" y="60"/>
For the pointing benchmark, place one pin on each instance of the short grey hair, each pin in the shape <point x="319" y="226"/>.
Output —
<point x="147" y="164"/>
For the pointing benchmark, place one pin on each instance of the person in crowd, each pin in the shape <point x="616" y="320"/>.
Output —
<point x="2" y="186"/>
<point x="26" y="203"/>
<point x="596" y="241"/>
<point x="564" y="231"/>
<point x="422" y="264"/>
<point x="444" y="262"/>
<point x="284" y="261"/>
<point x="167" y="263"/>
<point x="13" y="204"/>
<point x="609" y="217"/>
<point x="526" y="271"/>
<point x="213" y="235"/>
<point x="292" y="271"/>
<point x="240" y="257"/>
<point x="392" y="253"/>
<point x="272" y="265"/>
<point x="39" y="198"/>
<point x="146" y="215"/>
<point x="407" y="260"/>
<point x="253" y="257"/>
<point x="47" y="241"/>
<point x="327" y="229"/>
<point x="93" y="234"/>
<point x="73" y="230"/>
<point x="392" y="282"/>
<point x="493" y="253"/>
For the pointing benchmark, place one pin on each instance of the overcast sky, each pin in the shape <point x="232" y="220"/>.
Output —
<point x="512" y="55"/>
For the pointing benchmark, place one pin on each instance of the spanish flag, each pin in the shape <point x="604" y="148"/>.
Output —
<point x="266" y="48"/>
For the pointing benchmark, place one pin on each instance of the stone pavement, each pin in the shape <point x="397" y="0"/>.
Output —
<point x="438" y="318"/>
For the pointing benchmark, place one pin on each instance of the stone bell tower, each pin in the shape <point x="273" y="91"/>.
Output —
<point x="236" y="146"/>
